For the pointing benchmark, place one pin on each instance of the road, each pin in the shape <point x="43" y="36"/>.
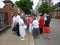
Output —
<point x="55" y="35"/>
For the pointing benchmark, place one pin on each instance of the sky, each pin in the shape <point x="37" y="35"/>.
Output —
<point x="34" y="1"/>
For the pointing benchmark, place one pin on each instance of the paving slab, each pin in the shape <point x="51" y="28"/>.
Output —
<point x="55" y="35"/>
<point x="9" y="38"/>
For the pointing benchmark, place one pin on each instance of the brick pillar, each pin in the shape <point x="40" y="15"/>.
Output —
<point x="8" y="9"/>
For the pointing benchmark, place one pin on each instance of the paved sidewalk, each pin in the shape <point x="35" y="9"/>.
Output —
<point x="55" y="35"/>
<point x="7" y="37"/>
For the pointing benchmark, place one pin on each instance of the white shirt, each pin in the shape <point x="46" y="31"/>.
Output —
<point x="21" y="22"/>
<point x="35" y="24"/>
<point x="45" y="18"/>
<point x="13" y="19"/>
<point x="17" y="18"/>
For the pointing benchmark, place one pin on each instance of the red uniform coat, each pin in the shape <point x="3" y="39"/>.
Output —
<point x="41" y="22"/>
<point x="30" y="20"/>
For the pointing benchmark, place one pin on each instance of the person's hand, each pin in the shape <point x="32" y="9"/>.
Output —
<point x="22" y="24"/>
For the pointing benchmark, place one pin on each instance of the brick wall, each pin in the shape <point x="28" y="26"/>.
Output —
<point x="8" y="10"/>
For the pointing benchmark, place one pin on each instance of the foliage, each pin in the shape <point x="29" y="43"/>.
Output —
<point x="52" y="8"/>
<point x="25" y="5"/>
<point x="45" y="8"/>
<point x="13" y="5"/>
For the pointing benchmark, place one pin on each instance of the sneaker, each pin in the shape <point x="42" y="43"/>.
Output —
<point x="48" y="37"/>
<point x="22" y="39"/>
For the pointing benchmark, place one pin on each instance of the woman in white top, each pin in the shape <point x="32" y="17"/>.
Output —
<point x="22" y="29"/>
<point x="35" y="24"/>
<point x="13" y="21"/>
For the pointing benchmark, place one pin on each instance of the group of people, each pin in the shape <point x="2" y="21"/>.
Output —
<point x="19" y="25"/>
<point x="39" y="25"/>
<point x="34" y="24"/>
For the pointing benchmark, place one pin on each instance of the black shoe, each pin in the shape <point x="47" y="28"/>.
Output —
<point x="40" y="33"/>
<point x="18" y="35"/>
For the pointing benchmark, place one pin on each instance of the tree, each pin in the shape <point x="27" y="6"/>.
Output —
<point x="25" y="5"/>
<point x="13" y="5"/>
<point x="45" y="8"/>
<point x="52" y="8"/>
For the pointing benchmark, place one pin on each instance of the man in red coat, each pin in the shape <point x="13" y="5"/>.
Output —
<point x="30" y="20"/>
<point x="41" y="23"/>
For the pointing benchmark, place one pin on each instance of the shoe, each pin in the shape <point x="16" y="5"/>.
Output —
<point x="18" y="35"/>
<point x="35" y="37"/>
<point x="22" y="39"/>
<point x="48" y="37"/>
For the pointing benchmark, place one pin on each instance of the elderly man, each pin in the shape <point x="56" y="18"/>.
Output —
<point x="17" y="21"/>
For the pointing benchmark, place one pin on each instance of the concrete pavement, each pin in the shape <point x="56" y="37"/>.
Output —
<point x="7" y="37"/>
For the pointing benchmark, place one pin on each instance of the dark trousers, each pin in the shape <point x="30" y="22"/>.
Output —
<point x="35" y="32"/>
<point x="27" y="26"/>
<point x="17" y="26"/>
<point x="41" y="30"/>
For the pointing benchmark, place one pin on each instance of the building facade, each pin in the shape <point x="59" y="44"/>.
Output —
<point x="57" y="13"/>
<point x="7" y="12"/>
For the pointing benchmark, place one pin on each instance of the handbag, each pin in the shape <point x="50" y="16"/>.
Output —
<point x="25" y="26"/>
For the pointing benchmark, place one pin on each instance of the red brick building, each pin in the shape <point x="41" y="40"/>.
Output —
<point x="57" y="13"/>
<point x="7" y="12"/>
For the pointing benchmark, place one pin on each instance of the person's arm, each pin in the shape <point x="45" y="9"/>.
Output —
<point x="22" y="22"/>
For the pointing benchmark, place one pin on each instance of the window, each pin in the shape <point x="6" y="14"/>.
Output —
<point x="2" y="18"/>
